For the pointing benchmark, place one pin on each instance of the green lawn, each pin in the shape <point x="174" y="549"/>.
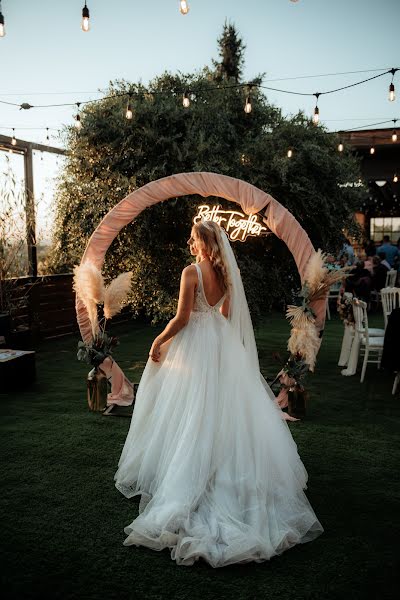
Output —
<point x="63" y="520"/>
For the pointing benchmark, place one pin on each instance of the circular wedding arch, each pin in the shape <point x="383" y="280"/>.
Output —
<point x="251" y="199"/>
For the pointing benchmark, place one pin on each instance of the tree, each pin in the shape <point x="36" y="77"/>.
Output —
<point x="111" y="157"/>
<point x="231" y="50"/>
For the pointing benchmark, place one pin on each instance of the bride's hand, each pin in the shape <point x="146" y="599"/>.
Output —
<point x="155" y="351"/>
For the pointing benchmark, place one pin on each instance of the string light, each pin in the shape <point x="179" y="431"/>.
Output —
<point x="340" y="146"/>
<point x="78" y="123"/>
<point x="2" y="28"/>
<point x="247" y="106"/>
<point x="290" y="153"/>
<point x="395" y="178"/>
<point x="13" y="139"/>
<point x="85" y="25"/>
<point x="316" y="110"/>
<point x="183" y="7"/>
<point x="372" y="149"/>
<point x="129" y="113"/>
<point x="185" y="99"/>
<point x="392" y="95"/>
<point x="394" y="134"/>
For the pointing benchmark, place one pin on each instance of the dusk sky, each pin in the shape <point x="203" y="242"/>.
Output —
<point x="46" y="58"/>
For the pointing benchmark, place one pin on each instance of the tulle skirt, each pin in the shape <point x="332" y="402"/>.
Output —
<point x="217" y="467"/>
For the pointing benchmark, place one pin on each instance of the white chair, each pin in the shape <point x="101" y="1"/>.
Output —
<point x="365" y="342"/>
<point x="390" y="297"/>
<point x="333" y="295"/>
<point x="391" y="277"/>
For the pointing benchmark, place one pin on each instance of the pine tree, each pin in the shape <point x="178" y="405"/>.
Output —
<point x="231" y="50"/>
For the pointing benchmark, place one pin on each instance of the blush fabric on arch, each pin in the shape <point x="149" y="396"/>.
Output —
<point x="251" y="199"/>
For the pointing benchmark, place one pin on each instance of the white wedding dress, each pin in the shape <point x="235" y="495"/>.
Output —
<point x="216" y="464"/>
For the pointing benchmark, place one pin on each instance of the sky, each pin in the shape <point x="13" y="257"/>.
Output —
<point x="45" y="58"/>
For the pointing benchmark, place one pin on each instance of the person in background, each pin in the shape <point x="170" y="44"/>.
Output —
<point x="347" y="248"/>
<point x="343" y="260"/>
<point x="359" y="282"/>
<point x="384" y="261"/>
<point x="331" y="263"/>
<point x="389" y="249"/>
<point x="379" y="274"/>
<point x="369" y="247"/>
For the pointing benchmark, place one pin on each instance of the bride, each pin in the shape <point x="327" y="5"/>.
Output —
<point x="208" y="448"/>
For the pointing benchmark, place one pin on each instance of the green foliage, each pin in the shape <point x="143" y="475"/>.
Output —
<point x="230" y="49"/>
<point x="112" y="156"/>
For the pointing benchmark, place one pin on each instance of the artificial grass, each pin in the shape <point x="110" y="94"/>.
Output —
<point x="63" y="519"/>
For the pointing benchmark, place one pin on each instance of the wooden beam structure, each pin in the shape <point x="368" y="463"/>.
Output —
<point x="26" y="149"/>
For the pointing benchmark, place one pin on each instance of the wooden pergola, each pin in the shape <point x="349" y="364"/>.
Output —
<point x="26" y="149"/>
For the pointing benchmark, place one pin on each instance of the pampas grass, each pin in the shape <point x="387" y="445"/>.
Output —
<point x="89" y="286"/>
<point x="305" y="341"/>
<point x="89" y="283"/>
<point x="315" y="270"/>
<point x="116" y="293"/>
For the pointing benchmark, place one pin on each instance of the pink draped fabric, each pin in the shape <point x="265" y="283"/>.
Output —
<point x="251" y="199"/>
<point x="121" y="387"/>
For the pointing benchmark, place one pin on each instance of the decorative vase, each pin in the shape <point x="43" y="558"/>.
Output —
<point x="297" y="402"/>
<point x="97" y="390"/>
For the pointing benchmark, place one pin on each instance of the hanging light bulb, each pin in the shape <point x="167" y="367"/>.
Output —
<point x="392" y="95"/>
<point x="78" y="123"/>
<point x="395" y="178"/>
<point x="394" y="134"/>
<point x="2" y="28"/>
<point x="186" y="100"/>
<point x="13" y="139"/>
<point x="316" y="110"/>
<point x="85" y="25"/>
<point x="247" y="106"/>
<point x="372" y="149"/>
<point x="129" y="113"/>
<point x="290" y="153"/>
<point x="340" y="146"/>
<point x="183" y="7"/>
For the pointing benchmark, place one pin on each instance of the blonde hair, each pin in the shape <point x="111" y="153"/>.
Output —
<point x="209" y="234"/>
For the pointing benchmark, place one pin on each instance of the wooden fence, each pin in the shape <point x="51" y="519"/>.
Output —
<point x="44" y="305"/>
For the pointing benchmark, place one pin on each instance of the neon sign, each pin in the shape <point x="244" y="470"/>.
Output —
<point x="237" y="225"/>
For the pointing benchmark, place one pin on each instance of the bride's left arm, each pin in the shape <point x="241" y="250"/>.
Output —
<point x="185" y="306"/>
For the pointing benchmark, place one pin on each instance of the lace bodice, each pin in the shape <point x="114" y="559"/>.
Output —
<point x="200" y="302"/>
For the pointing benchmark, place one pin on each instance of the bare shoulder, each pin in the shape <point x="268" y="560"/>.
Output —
<point x="189" y="273"/>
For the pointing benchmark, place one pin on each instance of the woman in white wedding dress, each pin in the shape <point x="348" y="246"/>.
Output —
<point x="208" y="447"/>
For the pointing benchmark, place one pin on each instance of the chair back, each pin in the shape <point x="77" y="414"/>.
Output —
<point x="390" y="299"/>
<point x="360" y="317"/>
<point x="391" y="277"/>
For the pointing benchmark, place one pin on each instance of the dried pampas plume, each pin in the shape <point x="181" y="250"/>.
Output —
<point x="315" y="271"/>
<point x="116" y="294"/>
<point x="88" y="284"/>
<point x="305" y="341"/>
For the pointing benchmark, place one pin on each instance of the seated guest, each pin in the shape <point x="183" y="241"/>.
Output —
<point x="389" y="249"/>
<point x="347" y="249"/>
<point x="343" y="260"/>
<point x="384" y="261"/>
<point x="359" y="282"/>
<point x="379" y="274"/>
<point x="369" y="247"/>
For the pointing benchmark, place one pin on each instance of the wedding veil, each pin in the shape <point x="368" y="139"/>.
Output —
<point x="239" y="314"/>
